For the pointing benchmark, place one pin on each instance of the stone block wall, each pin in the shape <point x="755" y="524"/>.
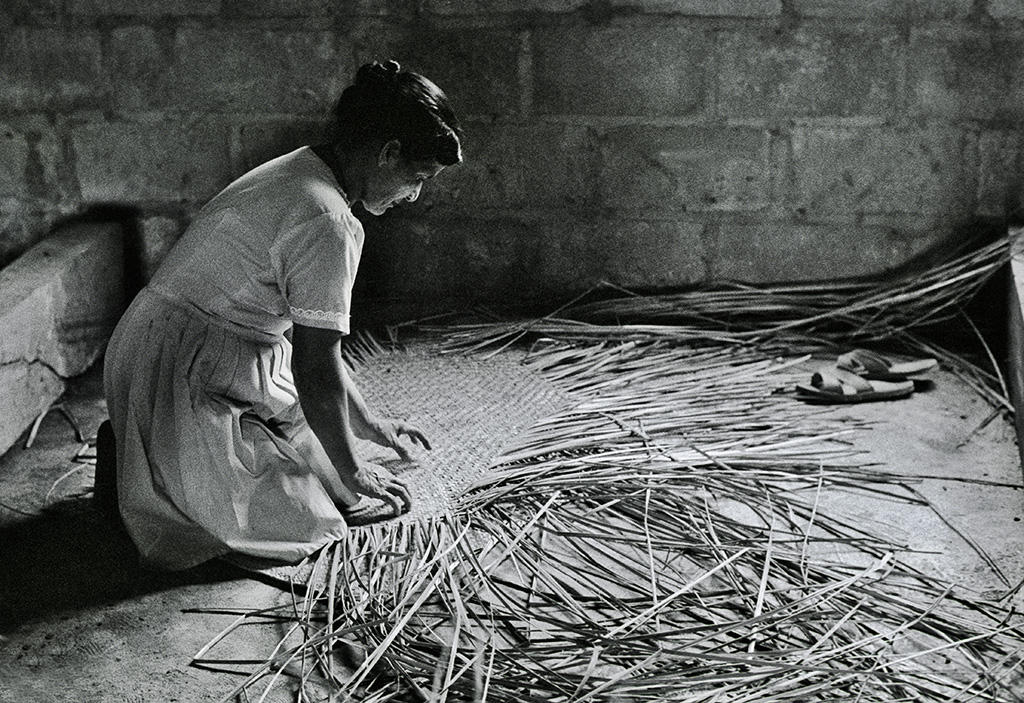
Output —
<point x="648" y="143"/>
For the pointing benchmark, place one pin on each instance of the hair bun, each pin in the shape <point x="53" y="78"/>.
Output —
<point x="378" y="73"/>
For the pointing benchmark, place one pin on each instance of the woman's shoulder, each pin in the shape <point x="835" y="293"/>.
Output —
<point x="297" y="168"/>
<point x="286" y="191"/>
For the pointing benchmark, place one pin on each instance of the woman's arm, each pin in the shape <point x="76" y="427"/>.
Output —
<point x="332" y="405"/>
<point x="363" y="423"/>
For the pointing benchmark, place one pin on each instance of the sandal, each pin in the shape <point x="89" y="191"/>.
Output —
<point x="876" y="367"/>
<point x="835" y="385"/>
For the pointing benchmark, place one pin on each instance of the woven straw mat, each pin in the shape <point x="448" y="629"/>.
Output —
<point x="470" y="408"/>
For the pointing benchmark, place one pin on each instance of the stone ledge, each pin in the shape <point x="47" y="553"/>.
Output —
<point x="59" y="302"/>
<point x="1015" y="325"/>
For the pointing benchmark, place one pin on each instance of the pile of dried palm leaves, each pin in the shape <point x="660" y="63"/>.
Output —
<point x="796" y="315"/>
<point x="662" y="539"/>
<point x="783" y="319"/>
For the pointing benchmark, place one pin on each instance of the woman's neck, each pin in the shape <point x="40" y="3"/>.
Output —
<point x="345" y="169"/>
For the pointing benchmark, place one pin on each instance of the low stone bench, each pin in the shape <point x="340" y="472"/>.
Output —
<point x="1015" y="325"/>
<point x="59" y="302"/>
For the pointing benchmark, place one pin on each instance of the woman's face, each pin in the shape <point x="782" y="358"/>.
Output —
<point x="395" y="180"/>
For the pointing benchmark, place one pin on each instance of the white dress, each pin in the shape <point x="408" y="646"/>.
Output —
<point x="213" y="452"/>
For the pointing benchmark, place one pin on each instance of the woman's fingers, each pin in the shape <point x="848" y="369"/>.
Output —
<point x="397" y="495"/>
<point x="377" y="482"/>
<point x="400" y="496"/>
<point x="417" y="437"/>
<point x="413" y="433"/>
<point x="395" y="503"/>
<point x="392" y="438"/>
<point x="403" y="453"/>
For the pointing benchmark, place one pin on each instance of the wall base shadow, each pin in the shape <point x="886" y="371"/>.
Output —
<point x="72" y="557"/>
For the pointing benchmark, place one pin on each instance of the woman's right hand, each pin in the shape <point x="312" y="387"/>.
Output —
<point x="375" y="481"/>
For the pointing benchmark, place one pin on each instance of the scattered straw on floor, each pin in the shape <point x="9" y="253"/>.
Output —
<point x="658" y="538"/>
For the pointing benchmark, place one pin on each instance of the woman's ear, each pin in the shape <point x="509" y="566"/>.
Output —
<point x="390" y="153"/>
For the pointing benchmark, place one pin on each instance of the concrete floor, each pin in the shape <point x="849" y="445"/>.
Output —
<point x="79" y="620"/>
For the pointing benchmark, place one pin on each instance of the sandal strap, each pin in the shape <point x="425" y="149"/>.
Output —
<point x="864" y="361"/>
<point x="832" y="379"/>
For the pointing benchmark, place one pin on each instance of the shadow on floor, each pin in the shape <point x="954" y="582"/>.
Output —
<point x="71" y="557"/>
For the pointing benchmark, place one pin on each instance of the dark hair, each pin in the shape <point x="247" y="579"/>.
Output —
<point x="386" y="103"/>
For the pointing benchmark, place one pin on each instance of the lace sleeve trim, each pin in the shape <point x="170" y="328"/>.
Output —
<point x="317" y="315"/>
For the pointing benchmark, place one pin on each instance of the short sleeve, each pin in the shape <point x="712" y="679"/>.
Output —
<point x="318" y="264"/>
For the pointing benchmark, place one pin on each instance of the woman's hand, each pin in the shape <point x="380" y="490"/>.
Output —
<point x="375" y="481"/>
<point x="388" y="433"/>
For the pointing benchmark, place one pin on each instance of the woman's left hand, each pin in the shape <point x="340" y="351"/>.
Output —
<point x="389" y="433"/>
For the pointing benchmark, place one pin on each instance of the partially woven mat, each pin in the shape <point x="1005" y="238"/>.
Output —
<point x="471" y="409"/>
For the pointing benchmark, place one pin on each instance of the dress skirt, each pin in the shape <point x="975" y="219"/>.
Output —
<point x="213" y="452"/>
